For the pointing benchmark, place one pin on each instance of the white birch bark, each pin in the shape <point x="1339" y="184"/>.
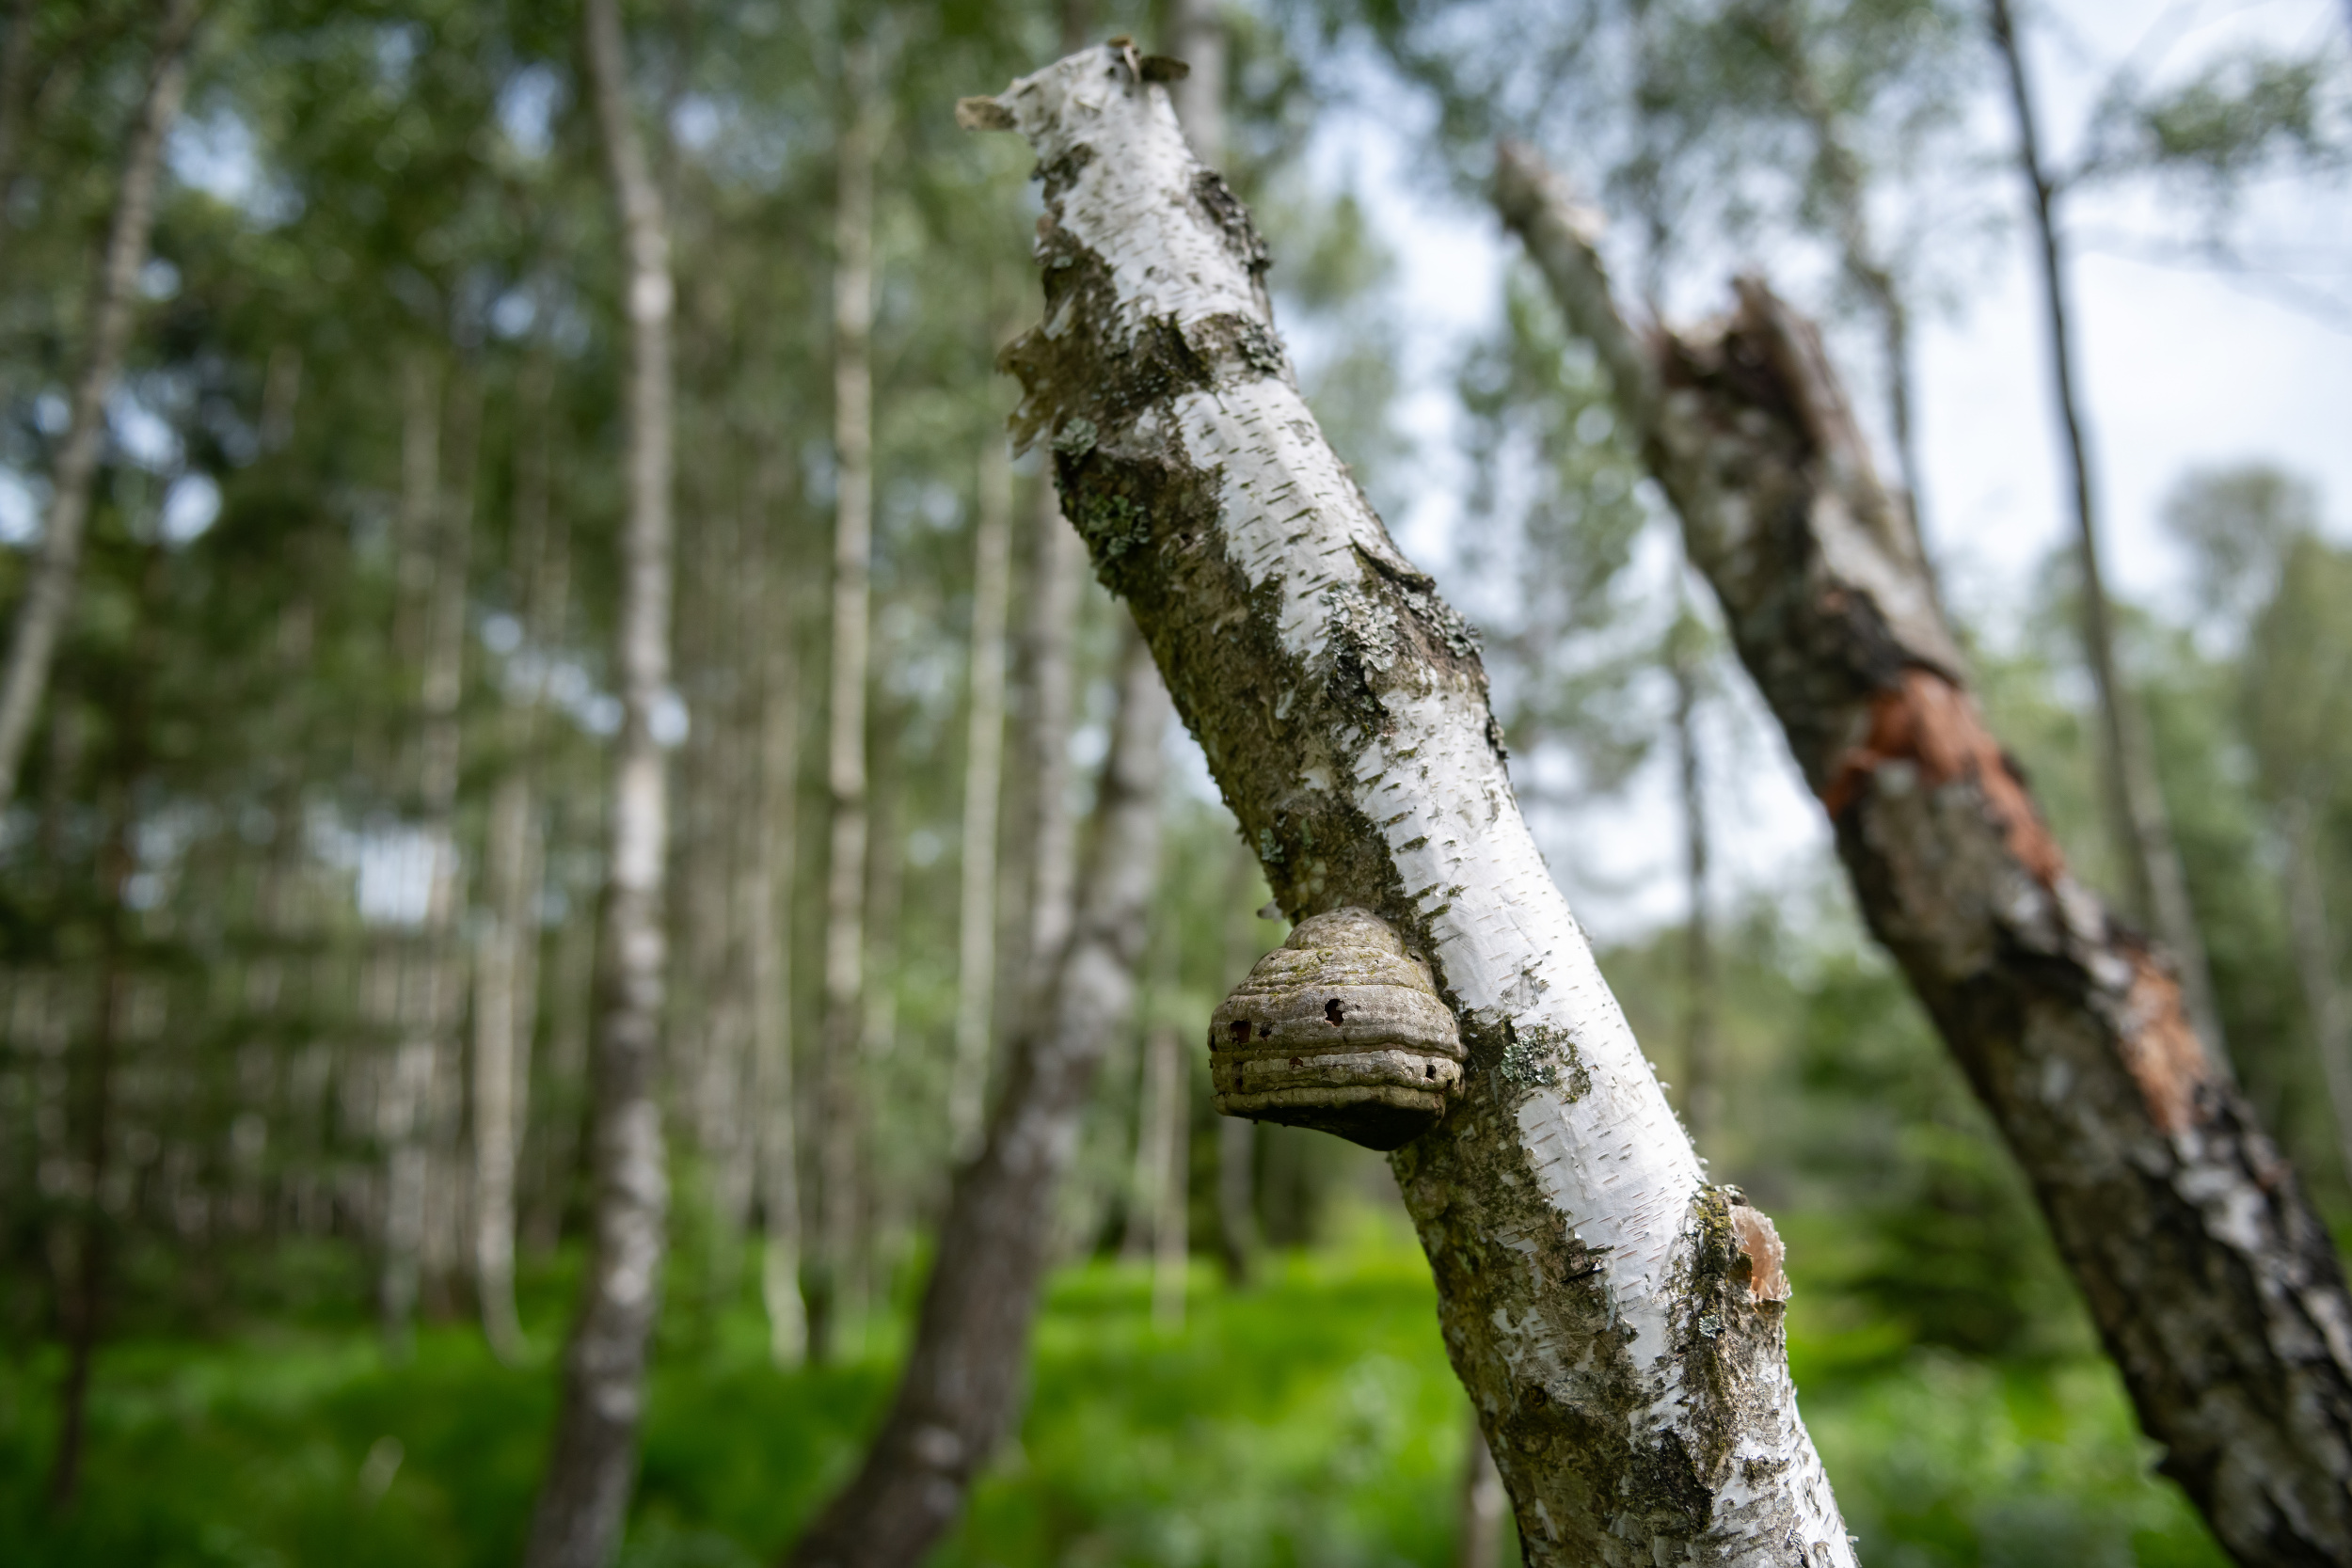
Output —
<point x="506" y="967"/>
<point x="1616" y="1319"/>
<point x="584" y="1497"/>
<point x="983" y="777"/>
<point x="49" y="597"/>
<point x="1049" y="836"/>
<point x="767" y="935"/>
<point x="845" y="751"/>
<point x="406" y="1107"/>
<point x="1171" y="1240"/>
<point x="440" y="957"/>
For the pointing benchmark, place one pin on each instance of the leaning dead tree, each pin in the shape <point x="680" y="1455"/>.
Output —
<point x="2211" y="1283"/>
<point x="1616" y="1318"/>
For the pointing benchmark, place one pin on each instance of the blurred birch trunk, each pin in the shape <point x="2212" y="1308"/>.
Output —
<point x="584" y="1496"/>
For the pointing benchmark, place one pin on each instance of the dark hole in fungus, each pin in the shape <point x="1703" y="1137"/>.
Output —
<point x="1265" y="1031"/>
<point x="1536" y="1399"/>
<point x="1429" y="1071"/>
<point x="1332" y="1010"/>
<point x="1239" y="1029"/>
<point x="1298" y="1061"/>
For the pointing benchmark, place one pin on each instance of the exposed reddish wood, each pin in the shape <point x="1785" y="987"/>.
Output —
<point x="2213" y="1283"/>
<point x="2159" y="1049"/>
<point x="1930" y="722"/>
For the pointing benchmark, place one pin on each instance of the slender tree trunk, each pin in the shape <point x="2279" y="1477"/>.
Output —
<point x="584" y="1496"/>
<point x="983" y="775"/>
<point x="2315" y="961"/>
<point x="1618" y="1321"/>
<point x="16" y="72"/>
<point x="507" y="973"/>
<point x="1171" y="1103"/>
<point x="91" y="1257"/>
<point x="1046" y="832"/>
<point x="49" y="595"/>
<point x="1237" y="1139"/>
<point x="963" y="1378"/>
<point x="767" y="932"/>
<point x="1866" y="266"/>
<point x="1483" y="1507"/>
<point x="838" y="1125"/>
<point x="503" y="993"/>
<point x="2213" y="1284"/>
<point x="1702" y="1094"/>
<point x="441" y="956"/>
<point x="1147" y="1171"/>
<point x="406" y="1107"/>
<point x="2155" y="884"/>
<point x="1196" y="34"/>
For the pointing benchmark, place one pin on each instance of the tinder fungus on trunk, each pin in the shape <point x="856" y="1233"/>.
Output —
<point x="1339" y="1029"/>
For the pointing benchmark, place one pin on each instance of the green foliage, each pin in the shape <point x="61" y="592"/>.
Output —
<point x="1309" y="1420"/>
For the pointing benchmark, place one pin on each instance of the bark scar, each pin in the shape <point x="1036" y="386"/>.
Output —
<point x="2159" y="1049"/>
<point x="1929" y="721"/>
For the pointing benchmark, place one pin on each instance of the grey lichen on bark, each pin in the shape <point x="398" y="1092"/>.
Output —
<point x="2211" y="1282"/>
<point x="1593" y="1289"/>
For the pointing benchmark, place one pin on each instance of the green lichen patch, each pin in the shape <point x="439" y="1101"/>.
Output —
<point x="1542" y="1057"/>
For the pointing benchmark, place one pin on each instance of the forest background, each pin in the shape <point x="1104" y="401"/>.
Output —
<point x="310" y="827"/>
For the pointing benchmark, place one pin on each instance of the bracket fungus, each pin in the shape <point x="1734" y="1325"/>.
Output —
<point x="1339" y="1029"/>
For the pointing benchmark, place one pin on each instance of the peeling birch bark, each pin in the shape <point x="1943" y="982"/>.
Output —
<point x="2213" y="1284"/>
<point x="963" y="1378"/>
<point x="1592" y="1293"/>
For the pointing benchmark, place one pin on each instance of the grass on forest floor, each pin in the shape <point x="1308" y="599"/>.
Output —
<point x="1308" y="1421"/>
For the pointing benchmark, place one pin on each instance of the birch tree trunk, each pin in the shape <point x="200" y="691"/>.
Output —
<point x="1616" y="1319"/>
<point x="983" y="776"/>
<point x="2315" y="961"/>
<point x="964" y="1375"/>
<point x="768" y="937"/>
<point x="2211" y="1281"/>
<point x="838" y="1122"/>
<point x="1867" y="267"/>
<point x="506" y="987"/>
<point x="1479" y="1543"/>
<point x="584" y="1496"/>
<point x="2155" y="884"/>
<point x="1237" y="1138"/>
<point x="49" y="595"/>
<point x="1702" y="1095"/>
<point x="82" y="1310"/>
<point x="405" y="1119"/>
<point x="1047" y="835"/>
<point x="440" y="992"/>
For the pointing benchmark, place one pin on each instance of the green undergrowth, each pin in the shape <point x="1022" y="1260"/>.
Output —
<point x="1309" y="1419"/>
